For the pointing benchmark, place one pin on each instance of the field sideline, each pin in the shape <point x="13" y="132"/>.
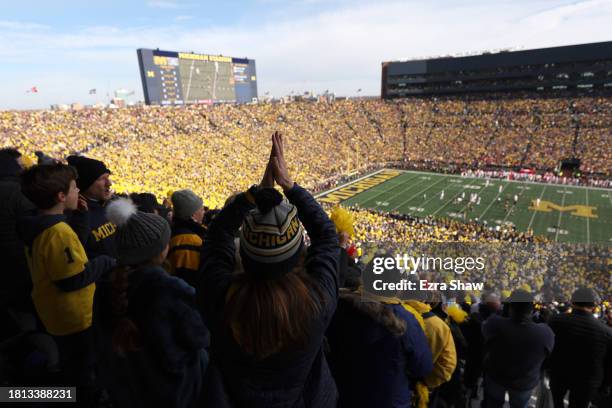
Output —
<point x="565" y="213"/>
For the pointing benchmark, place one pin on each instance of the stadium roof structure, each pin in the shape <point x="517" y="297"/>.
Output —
<point x="582" y="67"/>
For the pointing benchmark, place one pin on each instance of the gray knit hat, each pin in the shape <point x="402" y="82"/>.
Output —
<point x="185" y="203"/>
<point x="140" y="236"/>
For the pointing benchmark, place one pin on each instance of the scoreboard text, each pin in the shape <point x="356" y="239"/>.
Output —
<point x="178" y="78"/>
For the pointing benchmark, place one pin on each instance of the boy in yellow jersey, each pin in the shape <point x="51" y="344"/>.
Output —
<point x="63" y="279"/>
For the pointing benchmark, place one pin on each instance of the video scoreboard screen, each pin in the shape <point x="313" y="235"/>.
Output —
<point x="178" y="78"/>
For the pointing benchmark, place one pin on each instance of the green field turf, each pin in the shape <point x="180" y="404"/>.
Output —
<point x="582" y="214"/>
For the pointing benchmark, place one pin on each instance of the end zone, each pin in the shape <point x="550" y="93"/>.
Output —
<point x="346" y="191"/>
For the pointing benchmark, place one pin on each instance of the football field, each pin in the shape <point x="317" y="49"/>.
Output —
<point x="561" y="213"/>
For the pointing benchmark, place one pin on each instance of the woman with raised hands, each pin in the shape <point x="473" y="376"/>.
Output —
<point x="268" y="318"/>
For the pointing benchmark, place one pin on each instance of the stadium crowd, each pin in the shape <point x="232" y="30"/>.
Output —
<point x="146" y="145"/>
<point x="518" y="259"/>
<point x="158" y="307"/>
<point x="227" y="296"/>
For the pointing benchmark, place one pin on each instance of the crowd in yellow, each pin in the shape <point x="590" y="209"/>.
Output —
<point x="215" y="151"/>
<point x="381" y="226"/>
<point x="514" y="259"/>
<point x="519" y="131"/>
<point x="212" y="151"/>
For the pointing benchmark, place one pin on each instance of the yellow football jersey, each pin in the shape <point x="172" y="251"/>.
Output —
<point x="56" y="254"/>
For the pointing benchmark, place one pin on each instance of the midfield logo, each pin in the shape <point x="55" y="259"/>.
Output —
<point x="576" y="209"/>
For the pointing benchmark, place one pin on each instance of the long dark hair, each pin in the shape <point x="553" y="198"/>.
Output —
<point x="269" y="316"/>
<point x="125" y="336"/>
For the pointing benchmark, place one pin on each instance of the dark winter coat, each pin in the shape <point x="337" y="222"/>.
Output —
<point x="95" y="232"/>
<point x="17" y="285"/>
<point x="299" y="377"/>
<point x="472" y="331"/>
<point x="377" y="350"/>
<point x="168" y="369"/>
<point x="515" y="351"/>
<point x="583" y="350"/>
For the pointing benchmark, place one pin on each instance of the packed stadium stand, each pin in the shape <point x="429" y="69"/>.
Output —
<point x="430" y="132"/>
<point x="211" y="334"/>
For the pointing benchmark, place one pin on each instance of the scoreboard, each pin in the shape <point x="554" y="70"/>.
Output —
<point x="179" y="78"/>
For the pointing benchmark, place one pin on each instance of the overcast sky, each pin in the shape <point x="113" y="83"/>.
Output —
<point x="65" y="48"/>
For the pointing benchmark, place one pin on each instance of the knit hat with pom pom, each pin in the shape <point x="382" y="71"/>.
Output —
<point x="271" y="236"/>
<point x="140" y="236"/>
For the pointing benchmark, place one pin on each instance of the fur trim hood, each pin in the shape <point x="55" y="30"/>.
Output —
<point x="380" y="313"/>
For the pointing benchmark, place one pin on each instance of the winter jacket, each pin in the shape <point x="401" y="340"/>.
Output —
<point x="441" y="344"/>
<point x="185" y="247"/>
<point x="63" y="278"/>
<point x="94" y="230"/>
<point x="515" y="351"/>
<point x="298" y="377"/>
<point x="473" y="334"/>
<point x="168" y="369"/>
<point x="583" y="350"/>
<point x="461" y="345"/>
<point x="17" y="284"/>
<point x="452" y="391"/>
<point x="377" y="350"/>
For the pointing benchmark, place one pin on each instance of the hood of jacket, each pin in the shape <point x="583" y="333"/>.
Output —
<point x="418" y="306"/>
<point x="378" y="312"/>
<point x="154" y="277"/>
<point x="30" y="227"/>
<point x="9" y="167"/>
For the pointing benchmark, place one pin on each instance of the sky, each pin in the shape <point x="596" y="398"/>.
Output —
<point x="66" y="48"/>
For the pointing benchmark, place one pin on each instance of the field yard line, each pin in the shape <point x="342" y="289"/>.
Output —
<point x="349" y="182"/>
<point x="426" y="201"/>
<point x="560" y="214"/>
<point x="535" y="212"/>
<point x="396" y="194"/>
<point x="587" y="219"/>
<point x="420" y="192"/>
<point x="363" y="204"/>
<point x="449" y="201"/>
<point x="514" y="205"/>
<point x="491" y="203"/>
